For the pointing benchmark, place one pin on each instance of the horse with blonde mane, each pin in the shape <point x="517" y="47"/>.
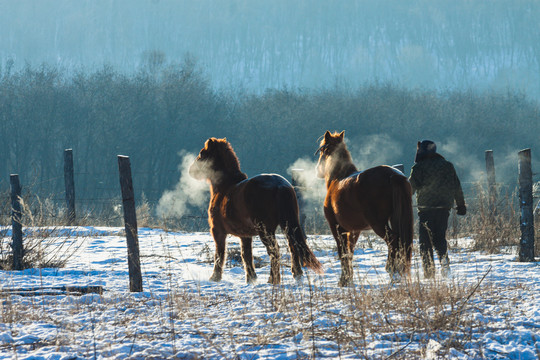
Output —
<point x="379" y="198"/>
<point x="247" y="207"/>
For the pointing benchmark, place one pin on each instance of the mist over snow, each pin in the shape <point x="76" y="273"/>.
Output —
<point x="188" y="191"/>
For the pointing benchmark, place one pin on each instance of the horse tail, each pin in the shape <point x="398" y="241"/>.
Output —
<point x="402" y="219"/>
<point x="290" y="224"/>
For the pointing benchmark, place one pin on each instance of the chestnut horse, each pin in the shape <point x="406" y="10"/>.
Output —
<point x="379" y="198"/>
<point x="248" y="207"/>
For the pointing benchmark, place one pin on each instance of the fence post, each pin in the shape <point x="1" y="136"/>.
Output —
<point x="526" y="246"/>
<point x="130" y="221"/>
<point x="16" y="222"/>
<point x="296" y="182"/>
<point x="492" y="185"/>
<point x="70" y="186"/>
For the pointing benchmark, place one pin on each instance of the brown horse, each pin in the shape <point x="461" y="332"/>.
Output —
<point x="379" y="198"/>
<point x="248" y="207"/>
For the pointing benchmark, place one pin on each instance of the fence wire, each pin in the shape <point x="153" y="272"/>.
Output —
<point x="104" y="207"/>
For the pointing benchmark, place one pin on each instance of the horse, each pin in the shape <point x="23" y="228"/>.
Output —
<point x="248" y="207"/>
<point x="379" y="198"/>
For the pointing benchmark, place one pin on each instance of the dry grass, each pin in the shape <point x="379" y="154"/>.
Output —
<point x="494" y="230"/>
<point x="403" y="315"/>
<point x="42" y="223"/>
<point x="423" y="311"/>
<point x="44" y="219"/>
<point x="411" y="313"/>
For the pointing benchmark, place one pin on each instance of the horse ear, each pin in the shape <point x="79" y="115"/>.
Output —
<point x="418" y="145"/>
<point x="342" y="134"/>
<point x="208" y="143"/>
<point x="327" y="135"/>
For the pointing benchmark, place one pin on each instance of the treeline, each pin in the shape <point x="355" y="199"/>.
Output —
<point x="155" y="114"/>
<point x="301" y="43"/>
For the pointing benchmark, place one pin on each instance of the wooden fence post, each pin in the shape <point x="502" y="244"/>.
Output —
<point x="70" y="186"/>
<point x="492" y="185"/>
<point x="130" y="221"/>
<point x="526" y="245"/>
<point x="296" y="182"/>
<point x="16" y="223"/>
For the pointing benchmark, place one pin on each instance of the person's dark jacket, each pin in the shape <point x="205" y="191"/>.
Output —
<point x="436" y="183"/>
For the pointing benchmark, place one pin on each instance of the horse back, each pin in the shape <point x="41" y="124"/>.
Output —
<point x="260" y="200"/>
<point x="363" y="198"/>
<point x="266" y="196"/>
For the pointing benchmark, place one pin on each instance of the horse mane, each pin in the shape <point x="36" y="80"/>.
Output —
<point x="229" y="162"/>
<point x="342" y="161"/>
<point x="340" y="158"/>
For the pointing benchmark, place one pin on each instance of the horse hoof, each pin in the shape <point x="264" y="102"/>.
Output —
<point x="395" y="278"/>
<point x="215" y="278"/>
<point x="299" y="279"/>
<point x="273" y="281"/>
<point x="251" y="280"/>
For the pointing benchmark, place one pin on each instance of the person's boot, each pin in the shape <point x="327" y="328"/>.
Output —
<point x="445" y="267"/>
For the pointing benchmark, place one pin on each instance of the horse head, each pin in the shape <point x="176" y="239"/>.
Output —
<point x="215" y="162"/>
<point x="203" y="167"/>
<point x="329" y="144"/>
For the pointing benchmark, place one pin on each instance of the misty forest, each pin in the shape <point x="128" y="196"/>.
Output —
<point x="155" y="79"/>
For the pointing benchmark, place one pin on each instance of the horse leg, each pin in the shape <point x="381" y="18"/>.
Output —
<point x="395" y="265"/>
<point x="272" y="247"/>
<point x="247" y="258"/>
<point x="345" y="255"/>
<point x="292" y="234"/>
<point x="219" y="256"/>
<point x="352" y="238"/>
<point x="396" y="259"/>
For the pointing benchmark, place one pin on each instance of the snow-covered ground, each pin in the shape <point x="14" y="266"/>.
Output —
<point x="488" y="308"/>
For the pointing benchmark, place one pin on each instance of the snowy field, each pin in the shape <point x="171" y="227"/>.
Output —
<point x="488" y="308"/>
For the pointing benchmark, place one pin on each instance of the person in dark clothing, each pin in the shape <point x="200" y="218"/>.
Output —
<point x="437" y="186"/>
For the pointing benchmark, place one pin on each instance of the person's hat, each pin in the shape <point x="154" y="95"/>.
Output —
<point x="424" y="148"/>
